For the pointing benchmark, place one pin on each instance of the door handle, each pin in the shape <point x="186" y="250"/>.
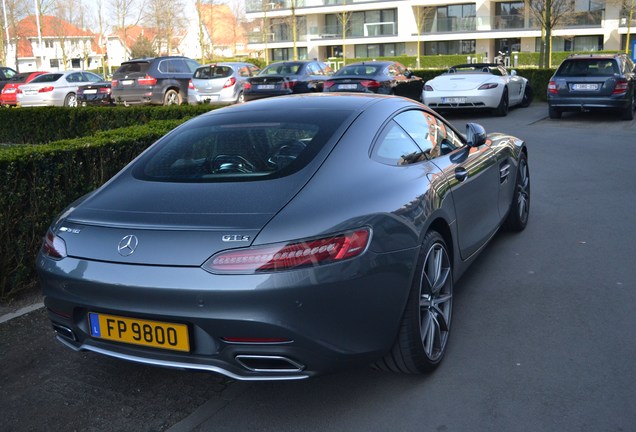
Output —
<point x="461" y="174"/>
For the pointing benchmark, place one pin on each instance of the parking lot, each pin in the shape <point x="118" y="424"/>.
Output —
<point x="544" y="329"/>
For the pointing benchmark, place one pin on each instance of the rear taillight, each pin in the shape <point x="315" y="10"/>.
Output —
<point x="370" y="84"/>
<point x="247" y="85"/>
<point x="46" y="89"/>
<point x="103" y="90"/>
<point x="190" y="85"/>
<point x="328" y="84"/>
<point x="292" y="255"/>
<point x="230" y="82"/>
<point x="289" y="84"/>
<point x="487" y="86"/>
<point x="19" y="90"/>
<point x="428" y="88"/>
<point x="552" y="87"/>
<point x="621" y="87"/>
<point x="53" y="246"/>
<point x="147" y="80"/>
<point x="114" y="83"/>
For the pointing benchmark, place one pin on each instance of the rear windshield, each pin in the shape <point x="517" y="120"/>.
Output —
<point x="211" y="72"/>
<point x="247" y="147"/>
<point x="282" y="69"/>
<point x="588" y="67"/>
<point x="361" y="70"/>
<point x="21" y="77"/>
<point x="135" y="67"/>
<point x="46" y="78"/>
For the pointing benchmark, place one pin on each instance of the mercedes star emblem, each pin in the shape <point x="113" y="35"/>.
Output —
<point x="127" y="245"/>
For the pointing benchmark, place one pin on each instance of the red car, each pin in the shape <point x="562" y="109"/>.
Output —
<point x="8" y="95"/>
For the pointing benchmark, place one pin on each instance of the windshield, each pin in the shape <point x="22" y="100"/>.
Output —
<point x="361" y="70"/>
<point x="211" y="72"/>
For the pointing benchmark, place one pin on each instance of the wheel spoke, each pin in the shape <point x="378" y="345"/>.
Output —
<point x="431" y="333"/>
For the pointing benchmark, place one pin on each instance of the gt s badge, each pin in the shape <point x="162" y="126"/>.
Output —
<point x="235" y="238"/>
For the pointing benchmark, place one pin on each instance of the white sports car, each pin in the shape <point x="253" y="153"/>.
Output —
<point x="477" y="85"/>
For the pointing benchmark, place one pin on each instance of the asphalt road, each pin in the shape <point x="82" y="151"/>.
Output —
<point x="544" y="329"/>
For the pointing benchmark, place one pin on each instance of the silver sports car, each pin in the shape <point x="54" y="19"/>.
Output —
<point x="285" y="237"/>
<point x="477" y="86"/>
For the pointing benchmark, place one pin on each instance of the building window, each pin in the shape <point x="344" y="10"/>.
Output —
<point x="54" y="63"/>
<point x="76" y="63"/>
<point x="467" y="46"/>
<point x="48" y="44"/>
<point x="507" y="45"/>
<point x="509" y="15"/>
<point x="575" y="43"/>
<point x="380" y="50"/>
<point x="450" y="18"/>
<point x="363" y="24"/>
<point x="279" y="54"/>
<point x="587" y="13"/>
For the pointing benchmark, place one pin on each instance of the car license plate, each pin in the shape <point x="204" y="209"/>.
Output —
<point x="30" y="92"/>
<point x="266" y="86"/>
<point x="453" y="100"/>
<point x="584" y="86"/>
<point x="347" y="86"/>
<point x="90" y="91"/>
<point x="127" y="82"/>
<point x="136" y="331"/>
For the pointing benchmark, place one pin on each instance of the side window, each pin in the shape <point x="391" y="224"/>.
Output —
<point x="243" y="72"/>
<point x="326" y="69"/>
<point x="395" y="147"/>
<point x="74" y="77"/>
<point x="191" y="65"/>
<point x="254" y="70"/>
<point x="431" y="133"/>
<point x="165" y="66"/>
<point x="314" y="69"/>
<point x="392" y="71"/>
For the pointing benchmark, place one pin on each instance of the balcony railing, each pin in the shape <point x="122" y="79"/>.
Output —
<point x="509" y="22"/>
<point x="367" y="30"/>
<point x="452" y="24"/>
<point x="585" y="19"/>
<point x="261" y="5"/>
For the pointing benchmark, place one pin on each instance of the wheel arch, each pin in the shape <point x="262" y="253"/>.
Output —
<point x="441" y="226"/>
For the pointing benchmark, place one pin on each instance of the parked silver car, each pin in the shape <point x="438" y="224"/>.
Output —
<point x="220" y="82"/>
<point x="54" y="89"/>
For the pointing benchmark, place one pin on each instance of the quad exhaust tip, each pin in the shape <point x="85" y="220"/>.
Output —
<point x="266" y="363"/>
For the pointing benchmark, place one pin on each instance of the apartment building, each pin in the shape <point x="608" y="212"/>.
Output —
<point x="389" y="28"/>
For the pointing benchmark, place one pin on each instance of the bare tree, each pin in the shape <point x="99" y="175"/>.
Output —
<point x="628" y="12"/>
<point x="15" y="11"/>
<point x="549" y="14"/>
<point x="344" y="18"/>
<point x="166" y="16"/>
<point x="422" y="14"/>
<point x="126" y="13"/>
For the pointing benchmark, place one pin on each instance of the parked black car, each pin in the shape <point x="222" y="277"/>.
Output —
<point x="382" y="77"/>
<point x="158" y="80"/>
<point x="98" y="93"/>
<point x="593" y="81"/>
<point x="287" y="77"/>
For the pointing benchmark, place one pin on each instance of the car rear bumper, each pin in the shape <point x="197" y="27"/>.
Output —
<point x="587" y="103"/>
<point x="328" y="317"/>
<point x="250" y="96"/>
<point x="469" y="99"/>
<point x="225" y="96"/>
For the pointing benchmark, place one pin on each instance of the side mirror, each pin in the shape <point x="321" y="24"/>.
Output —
<point x="513" y="72"/>
<point x="475" y="134"/>
<point x="408" y="74"/>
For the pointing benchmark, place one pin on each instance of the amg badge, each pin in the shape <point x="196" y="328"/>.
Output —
<point x="235" y="238"/>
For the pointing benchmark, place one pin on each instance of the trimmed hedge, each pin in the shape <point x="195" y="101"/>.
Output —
<point x="47" y="124"/>
<point x="38" y="181"/>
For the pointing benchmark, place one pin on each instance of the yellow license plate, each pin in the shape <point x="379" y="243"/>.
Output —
<point x="140" y="332"/>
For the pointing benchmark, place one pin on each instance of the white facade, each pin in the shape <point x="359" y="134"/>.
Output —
<point x="389" y="28"/>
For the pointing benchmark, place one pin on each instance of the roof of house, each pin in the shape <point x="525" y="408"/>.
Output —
<point x="51" y="27"/>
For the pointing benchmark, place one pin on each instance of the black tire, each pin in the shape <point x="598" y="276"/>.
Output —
<point x="628" y="112"/>
<point x="172" y="97"/>
<point x="527" y="97"/>
<point x="240" y="98"/>
<point x="519" y="211"/>
<point x="70" y="100"/>
<point x="425" y="327"/>
<point x="554" y="113"/>
<point x="504" y="104"/>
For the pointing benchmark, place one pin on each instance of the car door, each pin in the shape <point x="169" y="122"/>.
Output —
<point x="515" y="85"/>
<point x="470" y="172"/>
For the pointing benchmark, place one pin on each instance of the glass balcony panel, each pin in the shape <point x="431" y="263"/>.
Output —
<point x="503" y="22"/>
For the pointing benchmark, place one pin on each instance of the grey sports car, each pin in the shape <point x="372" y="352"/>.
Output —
<point x="285" y="237"/>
